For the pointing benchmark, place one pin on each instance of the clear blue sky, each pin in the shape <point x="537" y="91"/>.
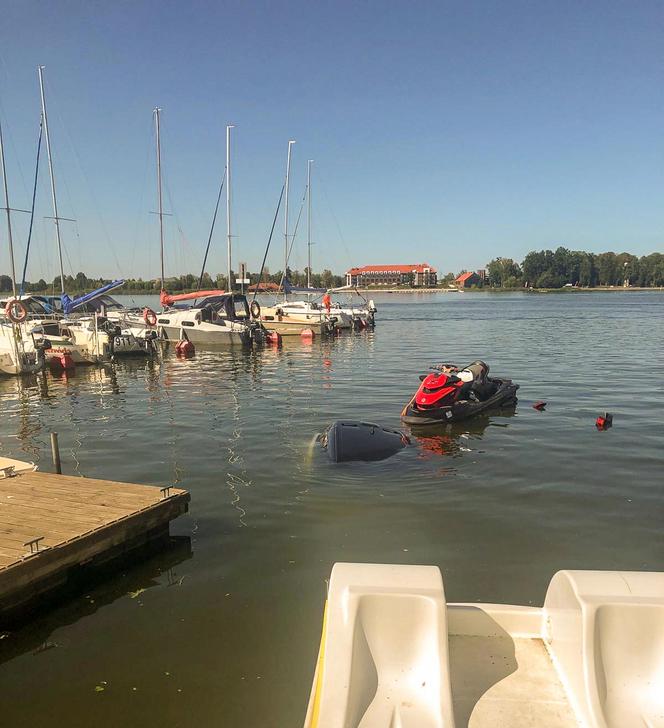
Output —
<point x="445" y="132"/>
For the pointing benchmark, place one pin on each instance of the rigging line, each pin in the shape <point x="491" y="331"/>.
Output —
<point x="186" y="248"/>
<point x="297" y="223"/>
<point x="139" y="210"/>
<point x="12" y="144"/>
<point x="334" y="217"/>
<point x="214" y="219"/>
<point x="32" y="210"/>
<point x="274" y="222"/>
<point x="86" y="180"/>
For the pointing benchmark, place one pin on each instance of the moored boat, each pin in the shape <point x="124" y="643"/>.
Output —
<point x="209" y="317"/>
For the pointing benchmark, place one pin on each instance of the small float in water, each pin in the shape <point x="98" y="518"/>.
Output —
<point x="394" y="653"/>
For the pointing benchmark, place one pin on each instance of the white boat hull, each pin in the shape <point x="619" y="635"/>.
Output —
<point x="394" y="653"/>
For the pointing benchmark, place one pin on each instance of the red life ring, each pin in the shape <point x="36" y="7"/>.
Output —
<point x="16" y="311"/>
<point x="149" y="316"/>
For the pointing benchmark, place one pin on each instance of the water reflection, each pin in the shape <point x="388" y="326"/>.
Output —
<point x="452" y="440"/>
<point x="154" y="566"/>
<point x="499" y="502"/>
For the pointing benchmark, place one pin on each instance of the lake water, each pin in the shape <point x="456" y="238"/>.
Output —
<point x="223" y="628"/>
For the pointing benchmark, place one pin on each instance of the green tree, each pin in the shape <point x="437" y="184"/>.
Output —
<point x="500" y="270"/>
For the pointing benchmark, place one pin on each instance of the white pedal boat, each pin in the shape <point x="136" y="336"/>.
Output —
<point x="9" y="467"/>
<point x="394" y="654"/>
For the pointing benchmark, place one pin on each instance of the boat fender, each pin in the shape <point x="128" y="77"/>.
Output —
<point x="149" y="316"/>
<point x="63" y="360"/>
<point x="184" y="348"/>
<point x="255" y="309"/>
<point x="16" y="311"/>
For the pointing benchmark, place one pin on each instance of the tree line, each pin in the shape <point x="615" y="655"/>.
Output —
<point x="80" y="283"/>
<point x="556" y="269"/>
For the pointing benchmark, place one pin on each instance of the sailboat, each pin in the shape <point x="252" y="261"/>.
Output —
<point x="19" y="352"/>
<point x="213" y="317"/>
<point x="86" y="340"/>
<point x="292" y="318"/>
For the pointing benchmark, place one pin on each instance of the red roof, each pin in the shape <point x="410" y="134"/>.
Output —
<point x="464" y="276"/>
<point x="415" y="268"/>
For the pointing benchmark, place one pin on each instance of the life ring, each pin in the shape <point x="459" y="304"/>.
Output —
<point x="255" y="309"/>
<point x="149" y="316"/>
<point x="16" y="311"/>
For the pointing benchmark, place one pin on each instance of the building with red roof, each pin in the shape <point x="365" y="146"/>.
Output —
<point x="420" y="275"/>
<point x="466" y="280"/>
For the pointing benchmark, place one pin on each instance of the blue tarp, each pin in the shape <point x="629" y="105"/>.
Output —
<point x="69" y="304"/>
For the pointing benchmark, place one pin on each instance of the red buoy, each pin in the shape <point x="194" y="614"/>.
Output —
<point x="184" y="348"/>
<point x="307" y="334"/>
<point x="273" y="337"/>
<point x="603" y="422"/>
<point x="539" y="405"/>
<point x="62" y="361"/>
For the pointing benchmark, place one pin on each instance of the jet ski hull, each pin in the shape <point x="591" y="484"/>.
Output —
<point x="462" y="409"/>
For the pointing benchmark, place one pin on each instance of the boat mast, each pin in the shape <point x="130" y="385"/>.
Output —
<point x="56" y="217"/>
<point x="290" y="144"/>
<point x="228" y="203"/>
<point x="8" y="211"/>
<point x="309" y="163"/>
<point x="156" y="113"/>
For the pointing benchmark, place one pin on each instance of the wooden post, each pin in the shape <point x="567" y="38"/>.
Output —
<point x="55" y="452"/>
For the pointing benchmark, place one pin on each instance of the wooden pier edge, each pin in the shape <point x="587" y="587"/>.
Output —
<point x="60" y="505"/>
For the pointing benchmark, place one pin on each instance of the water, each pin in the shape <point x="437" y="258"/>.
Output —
<point x="226" y="630"/>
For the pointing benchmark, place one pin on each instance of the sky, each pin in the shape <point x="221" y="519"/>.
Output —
<point x="441" y="132"/>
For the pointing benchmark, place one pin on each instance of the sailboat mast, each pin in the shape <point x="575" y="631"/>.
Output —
<point x="8" y="211"/>
<point x="228" y="203"/>
<point x="290" y="145"/>
<point x="157" y="112"/>
<point x="56" y="217"/>
<point x="309" y="163"/>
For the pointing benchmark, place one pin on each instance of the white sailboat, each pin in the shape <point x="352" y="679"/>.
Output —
<point x="84" y="341"/>
<point x="19" y="353"/>
<point x="205" y="317"/>
<point x="291" y="318"/>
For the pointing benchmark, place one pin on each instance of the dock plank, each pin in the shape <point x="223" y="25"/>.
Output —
<point x="80" y="519"/>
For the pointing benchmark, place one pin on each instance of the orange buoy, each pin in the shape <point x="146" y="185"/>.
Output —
<point x="62" y="360"/>
<point x="184" y="348"/>
<point x="150" y="317"/>
<point x="307" y="334"/>
<point x="16" y="311"/>
<point x="603" y="422"/>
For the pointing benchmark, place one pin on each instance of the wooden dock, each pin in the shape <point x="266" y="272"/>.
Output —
<point x="52" y="525"/>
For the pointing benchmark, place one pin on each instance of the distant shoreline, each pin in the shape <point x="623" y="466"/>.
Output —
<point x="596" y="289"/>
<point x="370" y="291"/>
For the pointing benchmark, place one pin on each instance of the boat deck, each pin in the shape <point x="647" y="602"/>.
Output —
<point x="506" y="682"/>
<point x="51" y="524"/>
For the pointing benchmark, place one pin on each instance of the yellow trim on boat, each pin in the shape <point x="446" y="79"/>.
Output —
<point x="319" y="671"/>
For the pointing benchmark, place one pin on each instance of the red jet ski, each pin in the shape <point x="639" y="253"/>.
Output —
<point x="445" y="397"/>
